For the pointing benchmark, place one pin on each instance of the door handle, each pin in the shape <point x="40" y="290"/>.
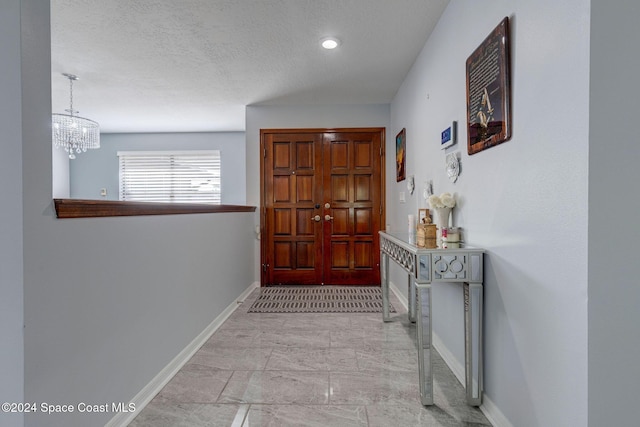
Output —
<point x="328" y="218"/>
<point x="316" y="218"/>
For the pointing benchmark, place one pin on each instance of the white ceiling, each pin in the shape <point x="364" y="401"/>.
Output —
<point x="193" y="65"/>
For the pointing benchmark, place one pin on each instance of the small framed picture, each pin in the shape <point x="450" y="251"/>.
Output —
<point x="423" y="214"/>
<point x="401" y="156"/>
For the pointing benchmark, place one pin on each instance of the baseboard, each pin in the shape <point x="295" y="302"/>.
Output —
<point x="493" y="414"/>
<point x="456" y="367"/>
<point x="153" y="388"/>
<point x="401" y="298"/>
<point x="488" y="408"/>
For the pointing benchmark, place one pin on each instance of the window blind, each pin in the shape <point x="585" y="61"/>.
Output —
<point x="170" y="176"/>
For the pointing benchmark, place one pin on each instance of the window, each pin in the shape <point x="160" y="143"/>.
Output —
<point x="170" y="176"/>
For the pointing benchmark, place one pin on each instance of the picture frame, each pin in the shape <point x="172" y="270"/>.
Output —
<point x="422" y="214"/>
<point x="401" y="156"/>
<point x="489" y="91"/>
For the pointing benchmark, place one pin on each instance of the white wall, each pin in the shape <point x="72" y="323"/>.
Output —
<point x="11" y="261"/>
<point x="282" y="117"/>
<point x="108" y="302"/>
<point x="614" y="203"/>
<point x="525" y="201"/>
<point x="60" y="165"/>
<point x="98" y="169"/>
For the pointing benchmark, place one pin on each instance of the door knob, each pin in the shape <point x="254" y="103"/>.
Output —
<point x="328" y="218"/>
<point x="327" y="205"/>
<point x="316" y="218"/>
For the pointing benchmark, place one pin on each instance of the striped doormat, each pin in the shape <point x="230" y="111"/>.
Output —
<point x="319" y="299"/>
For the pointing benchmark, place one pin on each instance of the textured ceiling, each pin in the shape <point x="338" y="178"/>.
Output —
<point x="193" y="65"/>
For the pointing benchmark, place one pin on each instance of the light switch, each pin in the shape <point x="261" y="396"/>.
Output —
<point x="402" y="198"/>
<point x="103" y="192"/>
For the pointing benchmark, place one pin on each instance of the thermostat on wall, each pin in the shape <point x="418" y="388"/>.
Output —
<point x="448" y="136"/>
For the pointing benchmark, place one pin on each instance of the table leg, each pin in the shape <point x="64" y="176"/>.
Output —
<point x="411" y="295"/>
<point x="384" y="282"/>
<point x="473" y="294"/>
<point x="425" y="371"/>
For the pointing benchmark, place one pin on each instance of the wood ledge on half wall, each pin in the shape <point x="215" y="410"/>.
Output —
<point x="80" y="208"/>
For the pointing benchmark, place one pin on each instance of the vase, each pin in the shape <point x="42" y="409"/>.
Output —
<point x="442" y="221"/>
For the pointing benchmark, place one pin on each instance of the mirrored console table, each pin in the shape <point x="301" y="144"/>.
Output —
<point x="426" y="266"/>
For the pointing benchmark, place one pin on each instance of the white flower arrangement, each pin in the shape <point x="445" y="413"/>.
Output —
<point x="445" y="200"/>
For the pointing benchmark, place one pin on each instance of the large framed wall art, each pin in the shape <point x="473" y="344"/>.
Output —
<point x="489" y="91"/>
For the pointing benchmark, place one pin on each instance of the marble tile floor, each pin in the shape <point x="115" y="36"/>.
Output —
<point x="308" y="369"/>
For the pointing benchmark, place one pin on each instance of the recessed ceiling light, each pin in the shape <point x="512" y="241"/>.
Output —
<point x="330" y="43"/>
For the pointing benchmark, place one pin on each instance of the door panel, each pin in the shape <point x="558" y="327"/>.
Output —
<point x="352" y="177"/>
<point x="322" y="207"/>
<point x="292" y="251"/>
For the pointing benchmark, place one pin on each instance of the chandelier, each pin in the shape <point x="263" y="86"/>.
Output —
<point x="73" y="133"/>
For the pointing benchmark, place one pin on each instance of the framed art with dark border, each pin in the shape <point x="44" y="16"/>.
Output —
<point x="489" y="91"/>
<point x="423" y="214"/>
<point x="401" y="156"/>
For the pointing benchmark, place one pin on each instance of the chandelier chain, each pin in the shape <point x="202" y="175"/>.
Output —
<point x="71" y="96"/>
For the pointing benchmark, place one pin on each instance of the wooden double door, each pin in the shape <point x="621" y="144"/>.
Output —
<point x="322" y="205"/>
